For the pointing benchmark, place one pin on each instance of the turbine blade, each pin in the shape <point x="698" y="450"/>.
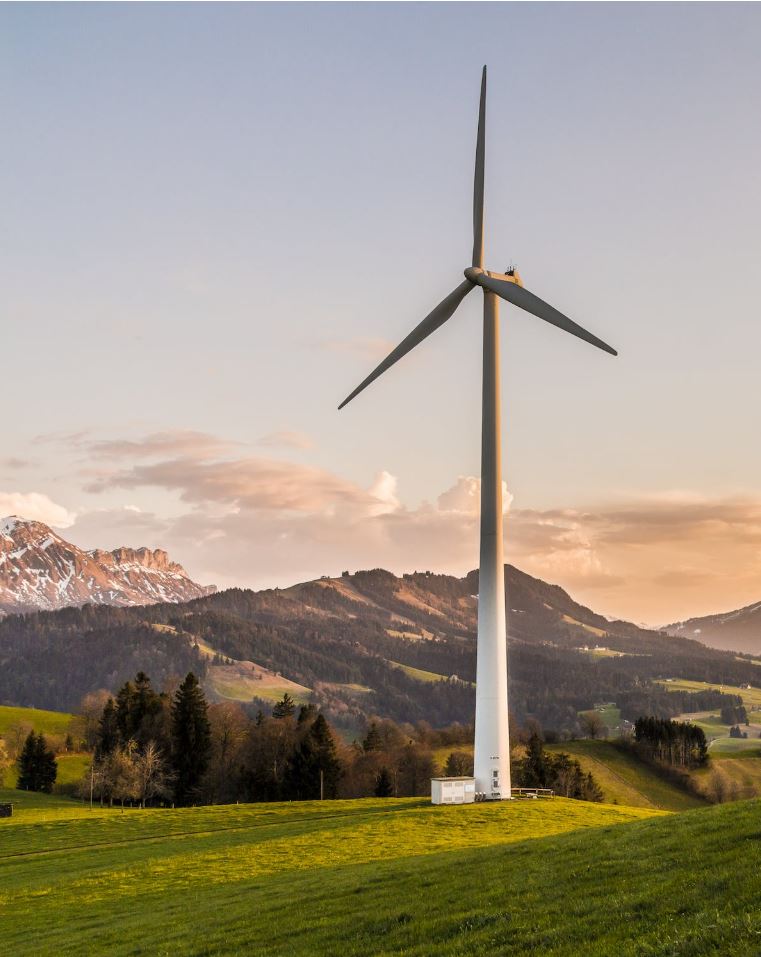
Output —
<point x="478" y="181"/>
<point x="430" y="324"/>
<point x="526" y="300"/>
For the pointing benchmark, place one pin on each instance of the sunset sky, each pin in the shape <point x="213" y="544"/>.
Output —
<point x="217" y="219"/>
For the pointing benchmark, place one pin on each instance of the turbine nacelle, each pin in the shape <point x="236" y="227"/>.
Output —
<point x="512" y="275"/>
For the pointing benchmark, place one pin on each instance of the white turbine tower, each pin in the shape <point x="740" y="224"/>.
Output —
<point x="492" y="746"/>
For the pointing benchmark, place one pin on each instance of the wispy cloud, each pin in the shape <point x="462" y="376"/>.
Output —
<point x="37" y="507"/>
<point x="264" y="520"/>
<point x="287" y="440"/>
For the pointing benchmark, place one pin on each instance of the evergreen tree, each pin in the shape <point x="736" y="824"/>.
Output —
<point x="284" y="708"/>
<point x="37" y="766"/>
<point x="108" y="731"/>
<point x="314" y="761"/>
<point x="383" y="786"/>
<point x="535" y="769"/>
<point x="191" y="738"/>
<point x="372" y="740"/>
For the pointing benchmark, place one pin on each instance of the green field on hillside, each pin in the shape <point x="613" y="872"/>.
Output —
<point x="71" y="770"/>
<point x="609" y="714"/>
<point x="379" y="877"/>
<point x="626" y="780"/>
<point x="751" y="696"/>
<point x="48" y="722"/>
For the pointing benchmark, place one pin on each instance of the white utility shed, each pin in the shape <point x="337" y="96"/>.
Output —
<point x="453" y="790"/>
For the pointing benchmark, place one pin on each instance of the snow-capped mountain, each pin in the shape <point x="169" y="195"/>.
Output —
<point x="41" y="571"/>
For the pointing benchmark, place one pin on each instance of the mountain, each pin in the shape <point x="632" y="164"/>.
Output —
<point x="370" y="643"/>
<point x="39" y="570"/>
<point x="738" y="630"/>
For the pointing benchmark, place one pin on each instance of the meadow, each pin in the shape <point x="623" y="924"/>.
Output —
<point x="48" y="722"/>
<point x="379" y="877"/>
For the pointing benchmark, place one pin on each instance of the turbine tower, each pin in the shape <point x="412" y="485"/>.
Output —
<point x="492" y="745"/>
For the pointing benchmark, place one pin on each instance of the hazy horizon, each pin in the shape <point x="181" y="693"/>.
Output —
<point x="211" y="236"/>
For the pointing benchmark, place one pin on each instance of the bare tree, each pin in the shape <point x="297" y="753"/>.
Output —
<point x="153" y="780"/>
<point x="5" y="762"/>
<point x="592" y="725"/>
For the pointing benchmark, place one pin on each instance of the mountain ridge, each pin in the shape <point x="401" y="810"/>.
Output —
<point x="737" y="630"/>
<point x="41" y="571"/>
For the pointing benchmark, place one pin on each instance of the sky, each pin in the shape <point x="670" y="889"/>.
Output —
<point x="216" y="219"/>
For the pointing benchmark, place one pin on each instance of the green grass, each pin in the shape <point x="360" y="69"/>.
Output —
<point x="381" y="878"/>
<point x="626" y="780"/>
<point x="48" y="722"/>
<point x="609" y="714"/>
<point x="220" y="880"/>
<point x="751" y="696"/>
<point x="418" y="673"/>
<point x="71" y="770"/>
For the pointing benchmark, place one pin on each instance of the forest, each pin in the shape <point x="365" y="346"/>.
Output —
<point x="349" y="639"/>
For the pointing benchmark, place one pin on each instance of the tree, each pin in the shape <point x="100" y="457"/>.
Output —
<point x="152" y="776"/>
<point x="108" y="731"/>
<point x="383" y="786"/>
<point x="285" y="708"/>
<point x="592" y="725"/>
<point x="314" y="769"/>
<point x="535" y="770"/>
<point x="191" y="739"/>
<point x="37" y="766"/>
<point x="5" y="761"/>
<point x="459" y="764"/>
<point x="372" y="740"/>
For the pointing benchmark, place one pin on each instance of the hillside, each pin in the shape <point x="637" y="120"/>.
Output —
<point x="738" y="630"/>
<point x="556" y="877"/>
<point x="367" y="643"/>
<point x="39" y="570"/>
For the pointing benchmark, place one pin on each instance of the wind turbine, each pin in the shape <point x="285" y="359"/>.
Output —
<point x="492" y="745"/>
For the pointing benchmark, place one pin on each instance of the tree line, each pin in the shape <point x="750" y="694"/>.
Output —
<point x="677" y="744"/>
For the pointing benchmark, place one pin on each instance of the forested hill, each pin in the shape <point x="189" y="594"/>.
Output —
<point x="366" y="643"/>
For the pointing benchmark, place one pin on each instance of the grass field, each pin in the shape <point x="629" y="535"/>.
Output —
<point x="48" y="722"/>
<point x="751" y="696"/>
<point x="609" y="714"/>
<point x="418" y="672"/>
<point x="71" y="769"/>
<point x="380" y="877"/>
<point x="624" y="779"/>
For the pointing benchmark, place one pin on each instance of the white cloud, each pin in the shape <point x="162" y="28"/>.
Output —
<point x="36" y="507"/>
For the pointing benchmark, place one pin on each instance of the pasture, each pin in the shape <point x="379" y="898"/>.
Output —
<point x="379" y="877"/>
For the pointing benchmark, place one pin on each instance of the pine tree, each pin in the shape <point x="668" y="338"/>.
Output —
<point x="372" y="740"/>
<point x="37" y="766"/>
<point x="191" y="738"/>
<point x="284" y="708"/>
<point x="313" y="763"/>
<point x="383" y="786"/>
<point x="108" y="731"/>
<point x="25" y="763"/>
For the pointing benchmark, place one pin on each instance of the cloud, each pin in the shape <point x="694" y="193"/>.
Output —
<point x="15" y="463"/>
<point x="36" y="507"/>
<point x="249" y="483"/>
<point x="465" y="496"/>
<point x="260" y="520"/>
<point x="177" y="442"/>
<point x="287" y="440"/>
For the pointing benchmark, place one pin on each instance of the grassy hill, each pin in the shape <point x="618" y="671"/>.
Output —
<point x="48" y="722"/>
<point x="624" y="779"/>
<point x="380" y="877"/>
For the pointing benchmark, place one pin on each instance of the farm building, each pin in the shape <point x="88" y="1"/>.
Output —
<point x="453" y="790"/>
